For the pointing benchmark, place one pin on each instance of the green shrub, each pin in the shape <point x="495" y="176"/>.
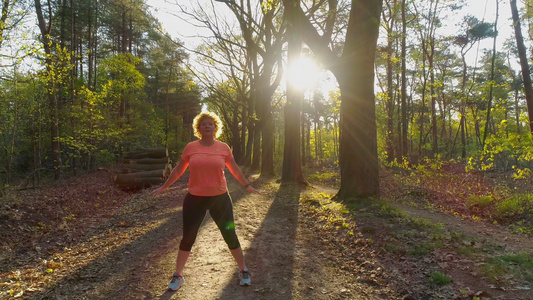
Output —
<point x="479" y="201"/>
<point x="513" y="206"/>
<point x="440" y="279"/>
<point x="517" y="265"/>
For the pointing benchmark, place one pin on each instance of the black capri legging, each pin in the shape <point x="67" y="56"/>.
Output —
<point x="221" y="210"/>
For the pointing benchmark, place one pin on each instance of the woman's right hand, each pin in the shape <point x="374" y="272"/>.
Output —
<point x="158" y="191"/>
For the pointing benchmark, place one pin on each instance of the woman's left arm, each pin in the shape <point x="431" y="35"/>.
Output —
<point x="237" y="173"/>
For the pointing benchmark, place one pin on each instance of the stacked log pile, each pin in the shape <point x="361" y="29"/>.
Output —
<point x="143" y="168"/>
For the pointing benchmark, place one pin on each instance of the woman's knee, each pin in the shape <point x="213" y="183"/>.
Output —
<point x="186" y="245"/>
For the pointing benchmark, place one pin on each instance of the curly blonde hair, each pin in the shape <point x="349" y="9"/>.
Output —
<point x="198" y="120"/>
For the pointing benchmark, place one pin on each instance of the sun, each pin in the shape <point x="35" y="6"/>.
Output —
<point x="302" y="73"/>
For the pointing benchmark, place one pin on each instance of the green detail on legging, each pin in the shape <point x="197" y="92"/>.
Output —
<point x="230" y="226"/>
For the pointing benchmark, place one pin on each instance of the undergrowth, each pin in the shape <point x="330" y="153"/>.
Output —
<point x="488" y="196"/>
<point x="394" y="232"/>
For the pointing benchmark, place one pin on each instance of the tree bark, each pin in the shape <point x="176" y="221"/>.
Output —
<point x="264" y="50"/>
<point x="354" y="71"/>
<point x="389" y="135"/>
<point x="405" y="125"/>
<point x="137" y="167"/>
<point x="147" y="153"/>
<point x="434" y="128"/>
<point x="147" y="160"/>
<point x="52" y="94"/>
<point x="292" y="163"/>
<point x="3" y="18"/>
<point x="491" y="89"/>
<point x="526" y="75"/>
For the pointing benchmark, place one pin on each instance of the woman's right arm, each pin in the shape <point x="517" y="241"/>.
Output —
<point x="174" y="175"/>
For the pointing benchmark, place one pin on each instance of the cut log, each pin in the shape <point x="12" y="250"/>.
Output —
<point x="137" y="183"/>
<point x="163" y="160"/>
<point x="133" y="168"/>
<point x="147" y="153"/>
<point x="143" y="168"/>
<point x="154" y="173"/>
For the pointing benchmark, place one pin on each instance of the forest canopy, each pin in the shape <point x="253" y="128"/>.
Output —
<point x="85" y="81"/>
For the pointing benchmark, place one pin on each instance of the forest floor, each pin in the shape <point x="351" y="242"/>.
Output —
<point x="84" y="239"/>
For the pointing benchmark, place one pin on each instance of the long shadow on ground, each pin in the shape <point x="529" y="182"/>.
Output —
<point x="127" y="271"/>
<point x="272" y="257"/>
<point x="120" y="269"/>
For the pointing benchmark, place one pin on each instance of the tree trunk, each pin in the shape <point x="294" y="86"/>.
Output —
<point x="147" y="160"/>
<point x="355" y="74"/>
<point x="389" y="134"/>
<point x="404" y="122"/>
<point x="256" y="152"/>
<point x="491" y="88"/>
<point x="266" y="126"/>
<point x="526" y="75"/>
<point x="434" y="128"/>
<point x="138" y="167"/>
<point x="262" y="87"/>
<point x="133" y="183"/>
<point x="52" y="94"/>
<point x="242" y="133"/>
<point x="144" y="174"/>
<point x="302" y="139"/>
<point x="147" y="153"/>
<point x="354" y="71"/>
<point x="517" y="110"/>
<point x="90" y="55"/>
<point x="292" y="165"/>
<point x="267" y="146"/>
<point x="3" y="18"/>
<point x="250" y="124"/>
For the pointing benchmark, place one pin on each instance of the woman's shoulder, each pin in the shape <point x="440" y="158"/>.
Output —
<point x="191" y="145"/>
<point x="220" y="143"/>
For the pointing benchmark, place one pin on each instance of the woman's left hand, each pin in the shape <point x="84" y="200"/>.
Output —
<point x="251" y="189"/>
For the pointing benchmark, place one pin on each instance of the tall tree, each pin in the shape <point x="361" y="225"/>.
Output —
<point x="474" y="31"/>
<point x="389" y="17"/>
<point x="354" y="71"/>
<point x="3" y="18"/>
<point x="261" y="29"/>
<point x="403" y="93"/>
<point x="45" y="28"/>
<point x="292" y="162"/>
<point x="491" y="88"/>
<point x="526" y="74"/>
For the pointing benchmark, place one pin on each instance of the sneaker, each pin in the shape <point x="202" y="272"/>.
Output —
<point x="246" y="279"/>
<point x="176" y="282"/>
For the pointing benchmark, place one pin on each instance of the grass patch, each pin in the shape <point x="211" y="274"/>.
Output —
<point x="393" y="248"/>
<point x="517" y="265"/>
<point x="422" y="249"/>
<point x="514" y="205"/>
<point x="323" y="175"/>
<point x="440" y="279"/>
<point x="479" y="201"/>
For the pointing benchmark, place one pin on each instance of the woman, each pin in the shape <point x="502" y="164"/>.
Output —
<point x="207" y="190"/>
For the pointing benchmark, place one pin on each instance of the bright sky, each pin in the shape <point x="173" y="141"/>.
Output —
<point x="166" y="10"/>
<point x="486" y="10"/>
<point x="482" y="9"/>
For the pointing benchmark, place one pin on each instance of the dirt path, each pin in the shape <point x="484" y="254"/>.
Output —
<point x="494" y="234"/>
<point x="131" y="255"/>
